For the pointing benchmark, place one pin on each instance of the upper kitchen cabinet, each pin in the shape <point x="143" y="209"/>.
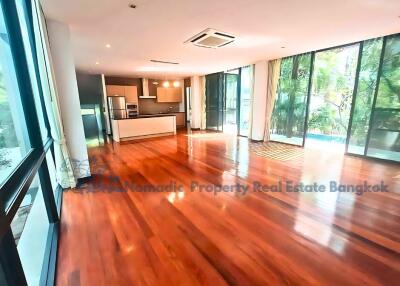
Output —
<point x="115" y="90"/>
<point x="169" y="94"/>
<point x="131" y="94"/>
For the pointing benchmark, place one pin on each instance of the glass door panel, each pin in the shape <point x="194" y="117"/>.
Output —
<point x="331" y="97"/>
<point x="246" y="81"/>
<point x="215" y="101"/>
<point x="288" y="117"/>
<point x="364" y="96"/>
<point x="384" y="141"/>
<point x="231" y="103"/>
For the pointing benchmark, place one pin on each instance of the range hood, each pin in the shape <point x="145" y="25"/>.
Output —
<point x="145" y="83"/>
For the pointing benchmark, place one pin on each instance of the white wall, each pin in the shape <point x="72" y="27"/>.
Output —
<point x="259" y="100"/>
<point x="67" y="88"/>
<point x="196" y="102"/>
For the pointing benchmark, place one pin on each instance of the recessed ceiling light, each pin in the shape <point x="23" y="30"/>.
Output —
<point x="176" y="83"/>
<point x="155" y="82"/>
<point x="97" y="63"/>
<point x="108" y="46"/>
<point x="165" y="84"/>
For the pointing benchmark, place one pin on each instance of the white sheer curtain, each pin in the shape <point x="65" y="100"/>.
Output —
<point x="274" y="69"/>
<point x="65" y="174"/>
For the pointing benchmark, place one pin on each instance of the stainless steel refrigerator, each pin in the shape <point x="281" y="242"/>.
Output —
<point x="117" y="107"/>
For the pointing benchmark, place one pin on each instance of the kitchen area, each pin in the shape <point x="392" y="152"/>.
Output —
<point x="138" y="108"/>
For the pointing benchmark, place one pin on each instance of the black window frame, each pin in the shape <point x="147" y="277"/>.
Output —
<point x="15" y="187"/>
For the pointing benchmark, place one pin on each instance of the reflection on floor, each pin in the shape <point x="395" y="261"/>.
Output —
<point x="323" y="145"/>
<point x="115" y="233"/>
<point x="98" y="140"/>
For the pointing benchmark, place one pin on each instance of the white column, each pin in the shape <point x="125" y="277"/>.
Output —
<point x="259" y="100"/>
<point x="67" y="88"/>
<point x="196" y="102"/>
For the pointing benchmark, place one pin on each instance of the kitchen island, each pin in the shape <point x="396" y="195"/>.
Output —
<point x="143" y="126"/>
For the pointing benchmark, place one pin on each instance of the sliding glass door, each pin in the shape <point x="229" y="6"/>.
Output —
<point x="246" y="90"/>
<point x="375" y="126"/>
<point x="228" y="101"/>
<point x="384" y="133"/>
<point x="289" y="115"/>
<point x="364" y="96"/>
<point x="231" y="110"/>
<point x="215" y="94"/>
<point x="331" y="97"/>
<point x="351" y="102"/>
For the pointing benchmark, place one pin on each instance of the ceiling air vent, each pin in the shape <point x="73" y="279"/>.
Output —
<point x="210" y="38"/>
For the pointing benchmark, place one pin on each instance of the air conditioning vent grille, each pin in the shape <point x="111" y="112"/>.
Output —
<point x="211" y="41"/>
<point x="210" y="38"/>
<point x="198" y="38"/>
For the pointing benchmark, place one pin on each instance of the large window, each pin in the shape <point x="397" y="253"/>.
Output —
<point x="364" y="95"/>
<point x="28" y="216"/>
<point x="351" y="103"/>
<point x="14" y="143"/>
<point x="34" y="76"/>
<point x="331" y="97"/>
<point x="288" y="119"/>
<point x="384" y="140"/>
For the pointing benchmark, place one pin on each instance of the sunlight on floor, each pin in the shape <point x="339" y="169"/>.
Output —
<point x="325" y="145"/>
<point x="216" y="135"/>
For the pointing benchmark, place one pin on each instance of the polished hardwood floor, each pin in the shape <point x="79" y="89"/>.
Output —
<point x="113" y="234"/>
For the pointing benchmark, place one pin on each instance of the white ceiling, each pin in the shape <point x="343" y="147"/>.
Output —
<point x="157" y="30"/>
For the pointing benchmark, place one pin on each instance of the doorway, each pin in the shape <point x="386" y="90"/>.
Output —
<point x="228" y="101"/>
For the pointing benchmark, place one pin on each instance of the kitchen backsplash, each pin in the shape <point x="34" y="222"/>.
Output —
<point x="151" y="106"/>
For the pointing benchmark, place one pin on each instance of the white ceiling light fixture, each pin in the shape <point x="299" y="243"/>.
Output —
<point x="97" y="63"/>
<point x="108" y="46"/>
<point x="176" y="83"/>
<point x="155" y="82"/>
<point x="210" y="38"/>
<point x="166" y="83"/>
